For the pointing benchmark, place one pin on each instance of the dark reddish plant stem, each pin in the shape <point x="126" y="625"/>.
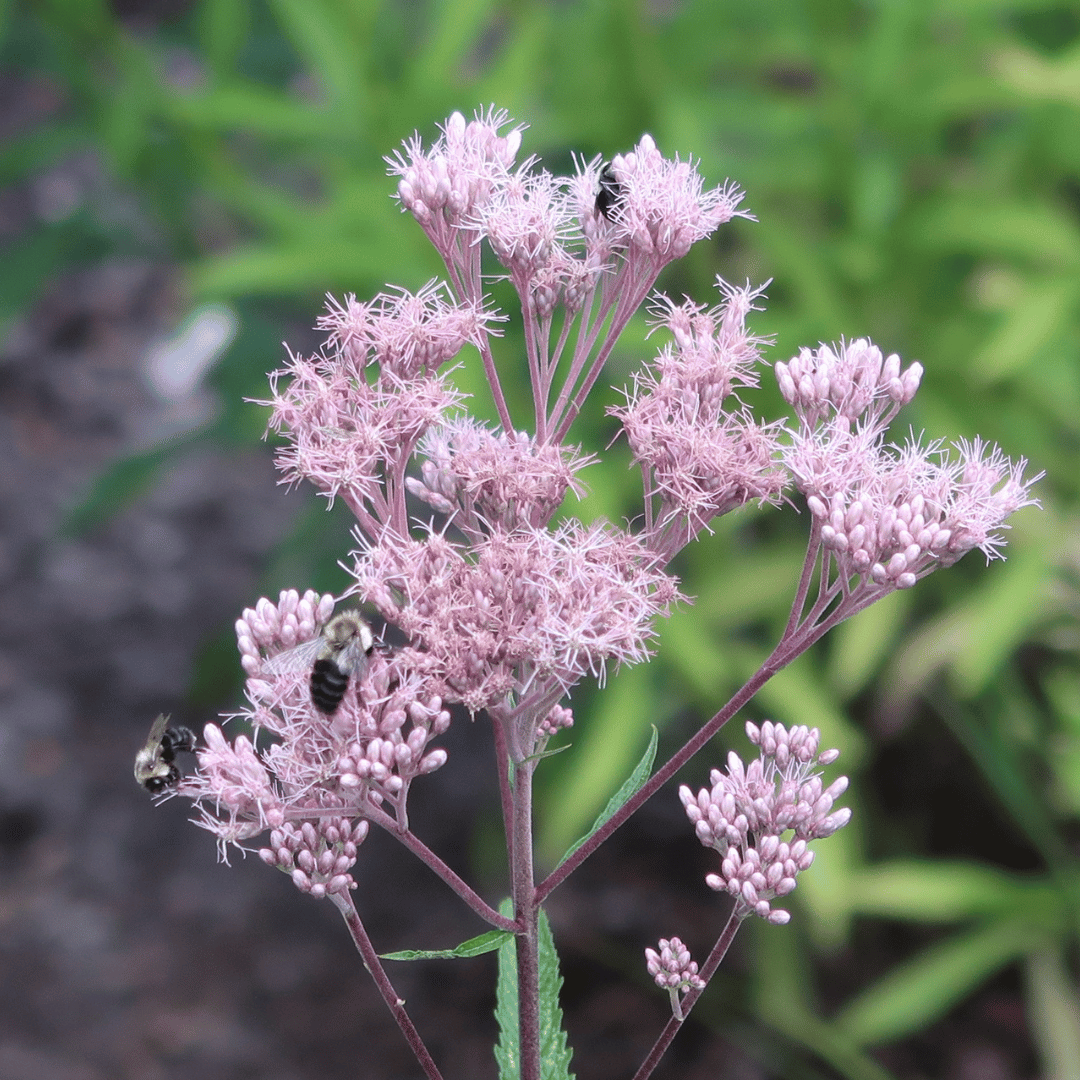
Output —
<point x="789" y="647"/>
<point x="344" y="904"/>
<point x="671" y="1028"/>
<point x="428" y="857"/>
<point x="527" y="914"/>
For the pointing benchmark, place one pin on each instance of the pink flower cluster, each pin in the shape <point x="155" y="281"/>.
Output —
<point x="408" y="335"/>
<point x="494" y="479"/>
<point x="747" y="811"/>
<point x="359" y="760"/>
<point x="268" y="626"/>
<point x="445" y="187"/>
<point x="853" y="382"/>
<point x="884" y="514"/>
<point x="500" y="611"/>
<point x="700" y="458"/>
<point x="527" y="611"/>
<point x="662" y="209"/>
<point x="893" y="515"/>
<point x="673" y="970"/>
<point x="504" y="611"/>
<point x="234" y="789"/>
<point x="317" y="856"/>
<point x="353" y="436"/>
<point x="560" y="717"/>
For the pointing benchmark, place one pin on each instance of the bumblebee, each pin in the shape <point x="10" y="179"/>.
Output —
<point x="607" y="198"/>
<point x="154" y="763"/>
<point x="340" y="652"/>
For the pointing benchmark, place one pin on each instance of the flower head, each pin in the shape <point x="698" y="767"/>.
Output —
<point x="850" y="380"/>
<point x="748" y="811"/>
<point x="674" y="971"/>
<point x="705" y="458"/>
<point x="315" y="767"/>
<point x="888" y="515"/>
<point x="662" y="208"/>
<point x="893" y="515"/>
<point x="409" y="335"/>
<point x="343" y="432"/>
<point x="495" y="479"/>
<point x="444" y="187"/>
<point x="316" y="855"/>
<point x="351" y="432"/>
<point x="525" y="222"/>
<point x="519" y="606"/>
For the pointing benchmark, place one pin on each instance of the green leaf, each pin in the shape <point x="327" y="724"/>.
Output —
<point x="508" y="1048"/>
<point x="689" y="641"/>
<point x="1040" y="78"/>
<point x="1054" y="1014"/>
<point x="223" y="26"/>
<point x="245" y="106"/>
<point x="925" y="988"/>
<point x="985" y="739"/>
<point x="760" y="579"/>
<point x="858" y="646"/>
<point x="330" y="264"/>
<point x="554" y="1053"/>
<point x="942" y="891"/>
<point x="633" y="782"/>
<point x="1005" y="612"/>
<point x="477" y="946"/>
<point x="543" y="755"/>
<point x="1041" y="314"/>
<point x="120" y="485"/>
<point x="328" y="46"/>
<point x="975" y="637"/>
<point x="782" y="978"/>
<point x="455" y="28"/>
<point x="1039" y="233"/>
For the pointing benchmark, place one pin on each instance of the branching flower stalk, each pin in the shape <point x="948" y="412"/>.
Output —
<point x="504" y="607"/>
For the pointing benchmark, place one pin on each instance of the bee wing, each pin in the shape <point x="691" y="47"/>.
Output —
<point x="157" y="732"/>
<point x="294" y="659"/>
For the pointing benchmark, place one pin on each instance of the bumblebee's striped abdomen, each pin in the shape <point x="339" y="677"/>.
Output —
<point x="328" y="686"/>
<point x="610" y="192"/>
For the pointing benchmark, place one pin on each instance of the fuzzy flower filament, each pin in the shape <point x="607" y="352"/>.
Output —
<point x="557" y="248"/>
<point x="494" y="480"/>
<point x="523" y="615"/>
<point x="445" y="186"/>
<point x="353" y="414"/>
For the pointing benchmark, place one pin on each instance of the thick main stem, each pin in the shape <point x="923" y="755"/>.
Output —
<point x="527" y="913"/>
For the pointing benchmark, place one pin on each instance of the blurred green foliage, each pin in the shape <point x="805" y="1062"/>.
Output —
<point x="915" y="168"/>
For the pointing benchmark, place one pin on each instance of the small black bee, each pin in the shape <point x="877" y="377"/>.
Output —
<point x="154" y="767"/>
<point x="607" y="198"/>
<point x="341" y="651"/>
